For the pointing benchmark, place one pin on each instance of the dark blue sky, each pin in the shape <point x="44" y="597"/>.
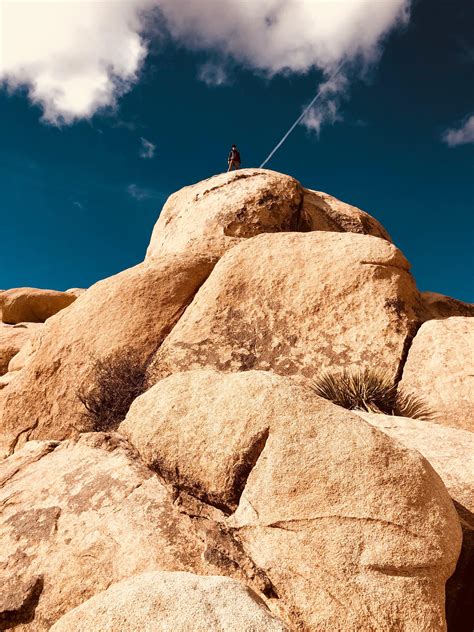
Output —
<point x="69" y="219"/>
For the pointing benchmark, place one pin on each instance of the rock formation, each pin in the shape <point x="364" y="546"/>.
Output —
<point x="162" y="601"/>
<point x="451" y="452"/>
<point x="13" y="339"/>
<point x="231" y="496"/>
<point x="298" y="303"/>
<point x="440" y="367"/>
<point x="214" y="215"/>
<point x="133" y="310"/>
<point x="26" y="304"/>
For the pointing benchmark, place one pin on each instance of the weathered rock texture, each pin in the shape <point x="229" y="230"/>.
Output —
<point x="27" y="304"/>
<point x="77" y="517"/>
<point x="440" y="306"/>
<point x="297" y="304"/>
<point x="12" y="339"/>
<point x="216" y="214"/>
<point x="451" y="452"/>
<point x="223" y="469"/>
<point x="133" y="311"/>
<point x="298" y="471"/>
<point x="440" y="369"/>
<point x="204" y="431"/>
<point x="20" y="359"/>
<point x="164" y="601"/>
<point x="323" y="212"/>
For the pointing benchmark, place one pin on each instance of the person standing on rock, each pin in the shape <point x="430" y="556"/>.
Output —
<point x="234" y="158"/>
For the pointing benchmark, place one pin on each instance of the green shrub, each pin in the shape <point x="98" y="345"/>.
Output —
<point x="115" y="382"/>
<point x="370" y="390"/>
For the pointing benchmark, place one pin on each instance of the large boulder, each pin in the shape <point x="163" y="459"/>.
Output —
<point x="79" y="516"/>
<point x="27" y="304"/>
<point x="130" y="312"/>
<point x="333" y="511"/>
<point x="165" y="601"/>
<point x="440" y="369"/>
<point x="12" y="339"/>
<point x="203" y="431"/>
<point x="451" y="452"/>
<point x="216" y="214"/>
<point x="297" y="304"/>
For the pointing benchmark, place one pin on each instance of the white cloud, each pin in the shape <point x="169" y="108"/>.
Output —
<point x="461" y="135"/>
<point x="213" y="74"/>
<point x="280" y="35"/>
<point x="147" y="148"/>
<point x="76" y="57"/>
<point x="327" y="109"/>
<point x="141" y="193"/>
<point x="138" y="193"/>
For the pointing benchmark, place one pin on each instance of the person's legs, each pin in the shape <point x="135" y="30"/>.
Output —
<point x="234" y="165"/>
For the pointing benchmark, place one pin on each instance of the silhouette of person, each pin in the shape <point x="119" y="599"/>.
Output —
<point x="234" y="158"/>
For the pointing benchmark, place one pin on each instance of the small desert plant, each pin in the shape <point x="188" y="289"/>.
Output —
<point x="115" y="382"/>
<point x="370" y="390"/>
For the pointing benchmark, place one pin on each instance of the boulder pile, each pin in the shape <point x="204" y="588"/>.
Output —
<point x="221" y="492"/>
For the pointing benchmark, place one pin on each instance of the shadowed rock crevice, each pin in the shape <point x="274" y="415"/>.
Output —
<point x="439" y="306"/>
<point x="415" y="326"/>
<point x="225" y="551"/>
<point x="167" y="330"/>
<point x="460" y="586"/>
<point x="18" y="601"/>
<point x="244" y="467"/>
<point x="241" y="470"/>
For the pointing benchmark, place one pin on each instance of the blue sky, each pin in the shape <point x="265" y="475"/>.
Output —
<point x="79" y="201"/>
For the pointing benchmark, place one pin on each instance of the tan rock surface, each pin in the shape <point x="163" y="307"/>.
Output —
<point x="451" y="453"/>
<point x="440" y="369"/>
<point x="378" y="513"/>
<point x="216" y="214"/>
<point x="27" y="304"/>
<point x="12" y="339"/>
<point x="76" y="291"/>
<point x="297" y="304"/>
<point x="449" y="450"/>
<point x="164" y="601"/>
<point x="77" y="517"/>
<point x="20" y="359"/>
<point x="5" y="380"/>
<point x="132" y="311"/>
<point x="332" y="510"/>
<point x="439" y="306"/>
<point x="203" y="430"/>
<point x="325" y="212"/>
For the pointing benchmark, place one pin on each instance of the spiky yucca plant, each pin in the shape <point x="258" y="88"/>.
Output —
<point x="371" y="390"/>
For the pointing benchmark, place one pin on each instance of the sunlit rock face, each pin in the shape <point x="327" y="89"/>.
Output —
<point x="228" y="495"/>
